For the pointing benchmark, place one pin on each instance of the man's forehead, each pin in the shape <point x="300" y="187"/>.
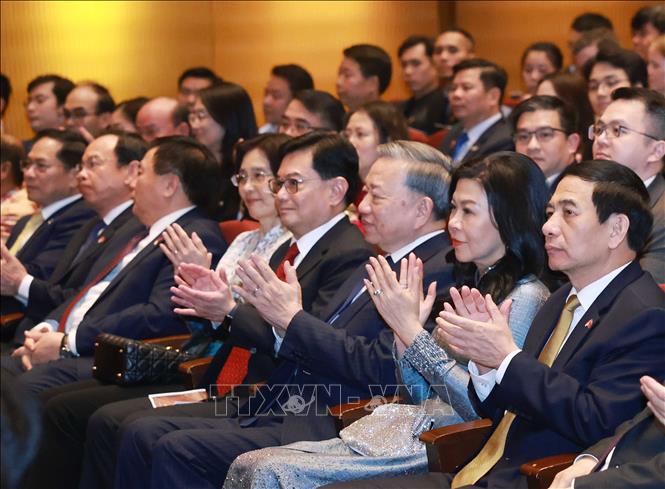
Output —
<point x="572" y="189"/>
<point x="452" y="39"/>
<point x="46" y="87"/>
<point x="44" y="145"/>
<point x="296" y="162"/>
<point x="538" y="117"/>
<point x="102" y="145"/>
<point x="628" y="111"/>
<point x="386" y="170"/>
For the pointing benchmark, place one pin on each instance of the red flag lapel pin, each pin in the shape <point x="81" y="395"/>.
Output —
<point x="101" y="239"/>
<point x="589" y="324"/>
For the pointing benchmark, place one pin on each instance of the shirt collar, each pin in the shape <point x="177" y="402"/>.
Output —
<point x="308" y="240"/>
<point x="160" y="225"/>
<point x="590" y="293"/>
<point x="476" y="131"/>
<point x="51" y="209"/>
<point x="552" y="178"/>
<point x="650" y="180"/>
<point x="396" y="256"/>
<point x="116" y="211"/>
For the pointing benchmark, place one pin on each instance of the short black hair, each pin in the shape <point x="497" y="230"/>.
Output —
<point x="491" y="74"/>
<point x="589" y="21"/>
<point x="5" y="90"/>
<point x="628" y="61"/>
<point x="11" y="150"/>
<point x="130" y="147"/>
<point x="73" y="145"/>
<point x="269" y="144"/>
<point x="463" y="32"/>
<point x="654" y="15"/>
<point x="200" y="72"/>
<point x="387" y="118"/>
<point x="617" y="190"/>
<point x="412" y="41"/>
<point x="329" y="109"/>
<point x="297" y="77"/>
<point x="551" y="50"/>
<point x="567" y="115"/>
<point x="130" y="108"/>
<point x="654" y="106"/>
<point x="195" y="166"/>
<point x="105" y="102"/>
<point x="61" y="86"/>
<point x="332" y="156"/>
<point x="373" y="61"/>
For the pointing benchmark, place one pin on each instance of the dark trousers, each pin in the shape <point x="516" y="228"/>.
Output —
<point x="51" y="374"/>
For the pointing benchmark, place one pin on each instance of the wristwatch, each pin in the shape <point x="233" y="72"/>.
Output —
<point x="65" y="351"/>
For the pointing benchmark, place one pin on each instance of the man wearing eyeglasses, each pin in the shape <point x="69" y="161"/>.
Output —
<point x="544" y="130"/>
<point x="161" y="117"/>
<point x="312" y="110"/>
<point x="631" y="131"/>
<point x="88" y="109"/>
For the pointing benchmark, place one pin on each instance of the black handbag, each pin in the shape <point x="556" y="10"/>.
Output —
<point x="125" y="361"/>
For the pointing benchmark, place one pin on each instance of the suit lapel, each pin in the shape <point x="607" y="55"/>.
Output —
<point x="656" y="190"/>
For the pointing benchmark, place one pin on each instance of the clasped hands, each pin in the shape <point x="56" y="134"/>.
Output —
<point x="206" y="293"/>
<point x="41" y="345"/>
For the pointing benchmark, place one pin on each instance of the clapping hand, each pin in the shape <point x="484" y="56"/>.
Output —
<point x="202" y="292"/>
<point x="180" y="248"/>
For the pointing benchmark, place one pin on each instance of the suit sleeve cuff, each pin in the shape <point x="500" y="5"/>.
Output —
<point x="71" y="340"/>
<point x="24" y="290"/>
<point x="501" y="371"/>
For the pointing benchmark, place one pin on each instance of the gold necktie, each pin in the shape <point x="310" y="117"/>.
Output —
<point x="493" y="449"/>
<point x="30" y="227"/>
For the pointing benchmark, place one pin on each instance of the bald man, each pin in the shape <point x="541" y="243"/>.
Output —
<point x="160" y="117"/>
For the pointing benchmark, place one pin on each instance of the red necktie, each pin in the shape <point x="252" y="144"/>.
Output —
<point x="234" y="370"/>
<point x="291" y="253"/>
<point x="107" y="269"/>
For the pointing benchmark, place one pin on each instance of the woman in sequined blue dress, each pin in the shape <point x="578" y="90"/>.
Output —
<point x="498" y="250"/>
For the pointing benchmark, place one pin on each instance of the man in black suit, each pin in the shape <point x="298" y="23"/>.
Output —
<point x="633" y="457"/>
<point x="631" y="131"/>
<point x="544" y="130"/>
<point x="128" y="294"/>
<point x="575" y="380"/>
<point x="475" y="98"/>
<point x="343" y="354"/>
<point x="108" y="170"/>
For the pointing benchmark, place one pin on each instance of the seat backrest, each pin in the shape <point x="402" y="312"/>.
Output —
<point x="231" y="229"/>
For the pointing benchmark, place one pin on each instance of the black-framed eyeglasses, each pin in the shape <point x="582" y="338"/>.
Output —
<point x="76" y="114"/>
<point x="614" y="130"/>
<point x="257" y="176"/>
<point x="298" y="126"/>
<point x="290" y="184"/>
<point x="543" y="135"/>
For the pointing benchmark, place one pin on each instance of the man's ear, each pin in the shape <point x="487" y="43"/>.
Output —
<point x="338" y="187"/>
<point x="132" y="173"/>
<point x="424" y="210"/>
<point x="171" y="184"/>
<point x="495" y="95"/>
<point x="619" y="225"/>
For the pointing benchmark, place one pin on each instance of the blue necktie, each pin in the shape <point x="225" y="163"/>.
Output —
<point x="461" y="141"/>
<point x="92" y="237"/>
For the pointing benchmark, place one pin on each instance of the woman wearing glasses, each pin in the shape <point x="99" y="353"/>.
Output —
<point x="222" y="116"/>
<point x="259" y="159"/>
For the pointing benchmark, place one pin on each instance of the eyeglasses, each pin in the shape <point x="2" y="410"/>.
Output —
<point x="76" y="114"/>
<point x="610" y="82"/>
<point x="298" y="126"/>
<point x="543" y="135"/>
<point x="90" y="164"/>
<point x="614" y="131"/>
<point x="198" y="116"/>
<point x="257" y="176"/>
<point x="40" y="166"/>
<point x="290" y="184"/>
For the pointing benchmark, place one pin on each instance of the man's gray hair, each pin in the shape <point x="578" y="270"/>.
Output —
<point x="428" y="171"/>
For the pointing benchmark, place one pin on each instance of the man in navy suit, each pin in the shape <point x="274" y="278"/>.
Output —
<point x="128" y="294"/>
<point x="346" y="351"/>
<point x="576" y="379"/>
<point x="106" y="178"/>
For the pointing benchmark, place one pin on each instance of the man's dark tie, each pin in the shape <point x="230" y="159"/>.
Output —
<point x="461" y="141"/>
<point x="107" y="269"/>
<point x="291" y="253"/>
<point x="93" y="235"/>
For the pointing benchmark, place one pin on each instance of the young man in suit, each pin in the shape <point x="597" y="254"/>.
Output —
<point x="475" y="98"/>
<point x="128" y="294"/>
<point x="106" y="177"/>
<point x="576" y="379"/>
<point x="345" y="352"/>
<point x="631" y="132"/>
<point x="363" y="75"/>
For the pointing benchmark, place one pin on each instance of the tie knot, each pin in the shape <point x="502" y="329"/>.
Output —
<point x="292" y="252"/>
<point x="572" y="303"/>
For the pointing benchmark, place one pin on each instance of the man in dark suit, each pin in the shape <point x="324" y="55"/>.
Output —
<point x="475" y="98"/>
<point x="545" y="131"/>
<point x="343" y="354"/>
<point x="593" y="339"/>
<point x="50" y="178"/>
<point x="128" y="294"/>
<point x="106" y="177"/>
<point x="631" y="131"/>
<point x="633" y="457"/>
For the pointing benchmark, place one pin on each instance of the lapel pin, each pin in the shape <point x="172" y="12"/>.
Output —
<point x="473" y="148"/>
<point x="101" y="239"/>
<point x="589" y="324"/>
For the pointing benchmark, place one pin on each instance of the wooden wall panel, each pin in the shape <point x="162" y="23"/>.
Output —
<point x="504" y="29"/>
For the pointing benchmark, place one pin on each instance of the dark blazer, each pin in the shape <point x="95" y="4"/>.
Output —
<point x="327" y="265"/>
<point x="70" y="273"/>
<point x="653" y="258"/>
<point x="592" y="385"/>
<point x="137" y="302"/>
<point x="498" y="137"/>
<point x="41" y="253"/>
<point x="638" y="460"/>
<point x="351" y="358"/>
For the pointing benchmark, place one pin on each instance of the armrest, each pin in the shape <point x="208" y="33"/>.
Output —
<point x="449" y="447"/>
<point x="194" y="370"/>
<point x="540" y="473"/>
<point x="345" y="414"/>
<point x="172" y="341"/>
